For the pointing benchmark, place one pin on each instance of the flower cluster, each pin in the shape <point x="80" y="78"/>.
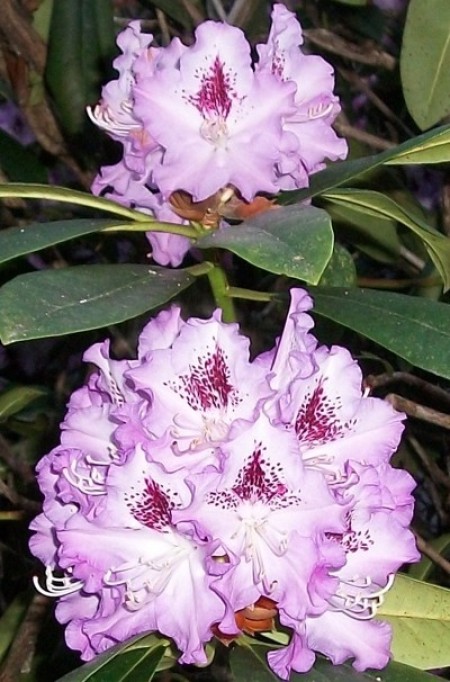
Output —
<point x="196" y="493"/>
<point x="203" y="119"/>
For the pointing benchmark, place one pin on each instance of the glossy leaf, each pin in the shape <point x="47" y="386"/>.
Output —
<point x="374" y="235"/>
<point x="57" y="302"/>
<point x="380" y="205"/>
<point x="75" y="56"/>
<point x="430" y="147"/>
<point x="18" y="241"/>
<point x="340" y="271"/>
<point x="420" y="617"/>
<point x="17" y="398"/>
<point x="137" y="661"/>
<point x="296" y="241"/>
<point x="248" y="664"/>
<point x="18" y="162"/>
<point x="416" y="329"/>
<point x="425" y="61"/>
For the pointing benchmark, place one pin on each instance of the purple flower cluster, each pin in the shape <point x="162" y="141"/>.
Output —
<point x="192" y="485"/>
<point x="203" y="119"/>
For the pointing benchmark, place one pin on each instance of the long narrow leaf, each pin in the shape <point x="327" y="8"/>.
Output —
<point x="431" y="147"/>
<point x="57" y="302"/>
<point x="380" y="205"/>
<point x="416" y="329"/>
<point x="18" y="241"/>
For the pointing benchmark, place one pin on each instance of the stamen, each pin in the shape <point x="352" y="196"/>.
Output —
<point x="92" y="484"/>
<point x="319" y="462"/>
<point x="313" y="113"/>
<point x="213" y="429"/>
<point x="102" y="116"/>
<point x="320" y="110"/>
<point x="360" y="606"/>
<point x="145" y="578"/>
<point x="215" y="131"/>
<point x="57" y="586"/>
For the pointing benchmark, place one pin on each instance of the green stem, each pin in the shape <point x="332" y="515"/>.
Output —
<point x="220" y="288"/>
<point x="250" y="295"/>
<point x="150" y="226"/>
<point x="69" y="196"/>
<point x="200" y="269"/>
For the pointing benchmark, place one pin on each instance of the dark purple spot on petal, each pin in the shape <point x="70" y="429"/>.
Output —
<point x="317" y="420"/>
<point x="353" y="540"/>
<point x="208" y="383"/>
<point x="257" y="481"/>
<point x="152" y="506"/>
<point x="216" y="91"/>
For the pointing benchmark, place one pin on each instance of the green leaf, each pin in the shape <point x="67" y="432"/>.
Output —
<point x="130" y="662"/>
<point x="420" y="616"/>
<point x="57" y="302"/>
<point x="430" y="147"/>
<point x="380" y="205"/>
<point x="18" y="162"/>
<point x="14" y="400"/>
<point x="425" y="61"/>
<point x="375" y="235"/>
<point x="296" y="241"/>
<point x="10" y="621"/>
<point x="248" y="664"/>
<point x="416" y="329"/>
<point x="18" y="241"/>
<point x="176" y="11"/>
<point x="75" y="56"/>
<point x="340" y="271"/>
<point x="425" y="567"/>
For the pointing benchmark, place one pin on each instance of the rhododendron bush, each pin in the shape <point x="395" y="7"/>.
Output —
<point x="224" y="452"/>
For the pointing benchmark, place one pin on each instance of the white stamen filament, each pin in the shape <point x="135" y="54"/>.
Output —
<point x="57" y="586"/>
<point x="102" y="116"/>
<point x="257" y="532"/>
<point x="313" y="113"/>
<point x="318" y="462"/>
<point x="361" y="606"/>
<point x="215" y="131"/>
<point x="92" y="484"/>
<point x="148" y="577"/>
<point x="213" y="429"/>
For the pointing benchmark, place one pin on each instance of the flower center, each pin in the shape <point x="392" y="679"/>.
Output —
<point x="214" y="100"/>
<point x="215" y="131"/>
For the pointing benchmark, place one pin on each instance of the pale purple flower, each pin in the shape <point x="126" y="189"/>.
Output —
<point x="219" y="122"/>
<point x="117" y="183"/>
<point x="191" y="482"/>
<point x="312" y="138"/>
<point x="204" y="118"/>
